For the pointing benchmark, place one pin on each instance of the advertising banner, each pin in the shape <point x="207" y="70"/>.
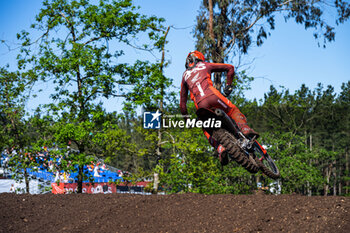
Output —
<point x="104" y="187"/>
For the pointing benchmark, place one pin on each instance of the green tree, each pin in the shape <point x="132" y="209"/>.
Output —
<point x="293" y="158"/>
<point x="288" y="112"/>
<point x="74" y="54"/>
<point x="13" y="133"/>
<point x="344" y="140"/>
<point x="11" y="105"/>
<point x="308" y="129"/>
<point x="227" y="28"/>
<point x="40" y="129"/>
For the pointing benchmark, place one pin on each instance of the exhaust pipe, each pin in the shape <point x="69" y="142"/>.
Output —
<point x="219" y="112"/>
<point x="227" y="122"/>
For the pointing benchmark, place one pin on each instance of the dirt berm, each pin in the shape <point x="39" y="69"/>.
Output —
<point x="173" y="213"/>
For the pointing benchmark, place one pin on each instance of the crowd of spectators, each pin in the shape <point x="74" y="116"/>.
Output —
<point x="50" y="167"/>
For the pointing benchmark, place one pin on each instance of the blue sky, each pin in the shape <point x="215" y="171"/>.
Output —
<point x="289" y="57"/>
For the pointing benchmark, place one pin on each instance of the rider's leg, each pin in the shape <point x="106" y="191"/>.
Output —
<point x="219" y="101"/>
<point x="222" y="153"/>
<point x="241" y="122"/>
<point x="218" y="147"/>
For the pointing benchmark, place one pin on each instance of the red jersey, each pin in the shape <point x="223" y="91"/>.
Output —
<point x="198" y="81"/>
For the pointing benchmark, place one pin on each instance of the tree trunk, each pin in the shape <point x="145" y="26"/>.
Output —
<point x="310" y="142"/>
<point x="335" y="180"/>
<point x="26" y="180"/>
<point x="161" y="108"/>
<point x="80" y="179"/>
<point x="309" y="191"/>
<point x="211" y="23"/>
<point x="216" y="57"/>
<point x="347" y="183"/>
<point x="155" y="182"/>
<point x="328" y="172"/>
<point x="217" y="81"/>
<point x="340" y="181"/>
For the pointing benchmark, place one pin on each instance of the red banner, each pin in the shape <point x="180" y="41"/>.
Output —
<point x="87" y="188"/>
<point x="63" y="188"/>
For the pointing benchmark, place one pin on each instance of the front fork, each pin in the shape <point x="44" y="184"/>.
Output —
<point x="262" y="149"/>
<point x="248" y="145"/>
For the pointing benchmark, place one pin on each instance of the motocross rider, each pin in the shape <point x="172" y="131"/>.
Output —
<point x="197" y="79"/>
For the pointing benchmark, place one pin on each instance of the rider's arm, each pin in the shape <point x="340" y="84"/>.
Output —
<point x="221" y="67"/>
<point x="183" y="97"/>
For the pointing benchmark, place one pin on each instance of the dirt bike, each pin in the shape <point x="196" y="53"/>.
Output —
<point x="245" y="151"/>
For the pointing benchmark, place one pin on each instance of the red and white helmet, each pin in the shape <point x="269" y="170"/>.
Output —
<point x="193" y="58"/>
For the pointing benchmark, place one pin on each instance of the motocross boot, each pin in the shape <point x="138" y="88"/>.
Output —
<point x="223" y="155"/>
<point x="241" y="122"/>
<point x="220" y="152"/>
<point x="249" y="132"/>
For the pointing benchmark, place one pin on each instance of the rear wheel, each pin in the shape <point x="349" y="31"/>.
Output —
<point x="235" y="152"/>
<point x="265" y="162"/>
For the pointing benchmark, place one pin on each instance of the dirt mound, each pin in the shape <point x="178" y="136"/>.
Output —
<point x="173" y="213"/>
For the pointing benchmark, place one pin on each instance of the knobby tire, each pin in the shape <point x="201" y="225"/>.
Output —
<point x="236" y="153"/>
<point x="266" y="170"/>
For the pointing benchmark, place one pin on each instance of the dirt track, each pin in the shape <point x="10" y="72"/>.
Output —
<point x="173" y="213"/>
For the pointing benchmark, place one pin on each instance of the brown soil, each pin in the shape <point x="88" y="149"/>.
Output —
<point x="173" y="213"/>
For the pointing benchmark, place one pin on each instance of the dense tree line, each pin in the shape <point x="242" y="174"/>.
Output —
<point x="309" y="132"/>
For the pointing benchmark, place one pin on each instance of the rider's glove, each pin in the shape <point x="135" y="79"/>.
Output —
<point x="227" y="90"/>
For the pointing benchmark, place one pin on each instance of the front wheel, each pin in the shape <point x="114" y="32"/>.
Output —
<point x="265" y="162"/>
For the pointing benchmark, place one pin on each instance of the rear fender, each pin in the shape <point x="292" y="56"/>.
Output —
<point x="218" y="114"/>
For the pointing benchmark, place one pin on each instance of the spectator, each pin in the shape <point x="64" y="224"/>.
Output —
<point x="104" y="167"/>
<point x="51" y="166"/>
<point x="120" y="173"/>
<point x="6" y="161"/>
<point x="61" y="177"/>
<point x="12" y="189"/>
<point x="14" y="152"/>
<point x="57" y="177"/>
<point x="96" y="171"/>
<point x="91" y="166"/>
<point x="65" y="177"/>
